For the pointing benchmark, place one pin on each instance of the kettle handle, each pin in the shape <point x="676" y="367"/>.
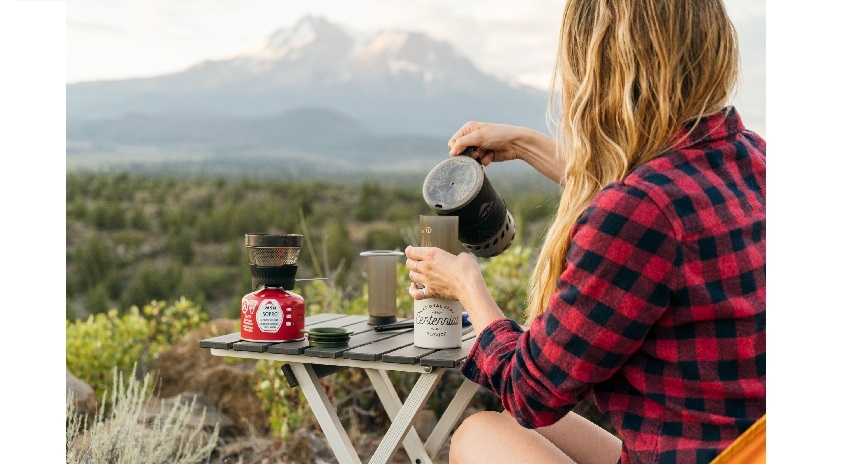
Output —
<point x="467" y="152"/>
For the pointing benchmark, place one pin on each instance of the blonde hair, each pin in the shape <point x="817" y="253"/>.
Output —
<point x="631" y="75"/>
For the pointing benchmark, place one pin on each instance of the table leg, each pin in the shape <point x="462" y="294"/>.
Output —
<point x="405" y="416"/>
<point x="450" y="417"/>
<point x="392" y="404"/>
<point x="325" y="414"/>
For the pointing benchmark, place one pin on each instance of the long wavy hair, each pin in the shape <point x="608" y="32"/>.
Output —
<point x="629" y="75"/>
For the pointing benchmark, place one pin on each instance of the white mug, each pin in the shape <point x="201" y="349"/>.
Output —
<point x="437" y="323"/>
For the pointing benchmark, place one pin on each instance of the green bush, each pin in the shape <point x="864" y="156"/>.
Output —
<point x="138" y="220"/>
<point x="108" y="216"/>
<point x="383" y="238"/>
<point x="97" y="299"/>
<point x="112" y="340"/>
<point x="286" y="408"/>
<point x="105" y="341"/>
<point x="180" y="245"/>
<point x="217" y="282"/>
<point x="151" y="283"/>
<point x="507" y="276"/>
<point x="92" y="263"/>
<point x="168" y="323"/>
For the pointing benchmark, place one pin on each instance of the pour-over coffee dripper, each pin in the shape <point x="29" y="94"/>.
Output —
<point x="272" y="258"/>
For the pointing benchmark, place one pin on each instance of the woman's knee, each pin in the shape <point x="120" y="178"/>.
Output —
<point x="478" y="423"/>
<point x="473" y="430"/>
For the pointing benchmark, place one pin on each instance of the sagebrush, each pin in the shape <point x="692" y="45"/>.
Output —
<point x="134" y="432"/>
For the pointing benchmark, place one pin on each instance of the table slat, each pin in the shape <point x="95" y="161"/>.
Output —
<point x="226" y="342"/>
<point x="296" y="347"/>
<point x="358" y="339"/>
<point x="407" y="355"/>
<point x="321" y="318"/>
<point x="375" y="351"/>
<point x="451" y="357"/>
<point x="255" y="347"/>
<point x="413" y="354"/>
<point x="223" y="342"/>
<point x="340" y="322"/>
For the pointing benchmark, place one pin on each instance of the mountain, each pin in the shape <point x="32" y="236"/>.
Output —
<point x="312" y="88"/>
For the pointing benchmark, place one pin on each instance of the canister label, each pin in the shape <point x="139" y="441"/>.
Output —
<point x="269" y="316"/>
<point x="272" y="315"/>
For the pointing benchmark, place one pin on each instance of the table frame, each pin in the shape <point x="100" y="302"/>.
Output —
<point x="307" y="370"/>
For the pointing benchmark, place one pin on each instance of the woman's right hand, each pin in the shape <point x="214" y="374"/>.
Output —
<point x="493" y="142"/>
<point x="501" y="142"/>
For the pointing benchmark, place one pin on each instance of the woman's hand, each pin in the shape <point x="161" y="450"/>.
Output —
<point x="501" y="142"/>
<point x="436" y="273"/>
<point x="493" y="142"/>
<point x="440" y="273"/>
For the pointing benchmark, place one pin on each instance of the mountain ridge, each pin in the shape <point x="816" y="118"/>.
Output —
<point x="401" y="91"/>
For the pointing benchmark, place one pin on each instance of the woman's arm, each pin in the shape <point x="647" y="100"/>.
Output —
<point x="501" y="142"/>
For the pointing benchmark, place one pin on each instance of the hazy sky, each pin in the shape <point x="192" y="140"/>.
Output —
<point x="512" y="39"/>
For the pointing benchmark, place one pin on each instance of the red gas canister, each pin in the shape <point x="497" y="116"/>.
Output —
<point x="272" y="312"/>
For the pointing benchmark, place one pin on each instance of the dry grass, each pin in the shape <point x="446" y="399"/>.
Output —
<point x="137" y="429"/>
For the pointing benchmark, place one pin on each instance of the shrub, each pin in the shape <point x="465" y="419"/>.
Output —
<point x="92" y="263"/>
<point x="284" y="405"/>
<point x="104" y="341"/>
<point x="180" y="245"/>
<point x="507" y="278"/>
<point x="112" y="340"/>
<point x="127" y="435"/>
<point x="167" y="324"/>
<point x="151" y="283"/>
<point x="108" y="216"/>
<point x="97" y="299"/>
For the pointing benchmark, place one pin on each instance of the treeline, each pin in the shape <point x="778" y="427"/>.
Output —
<point x="135" y="238"/>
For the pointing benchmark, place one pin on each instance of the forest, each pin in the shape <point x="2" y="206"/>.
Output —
<point x="133" y="238"/>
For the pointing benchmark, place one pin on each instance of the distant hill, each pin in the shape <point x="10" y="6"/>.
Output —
<point x="311" y="94"/>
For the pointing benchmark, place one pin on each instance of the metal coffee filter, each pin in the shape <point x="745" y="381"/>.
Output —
<point x="272" y="256"/>
<point x="270" y="250"/>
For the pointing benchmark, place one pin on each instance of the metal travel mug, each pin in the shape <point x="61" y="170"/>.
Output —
<point x="437" y="321"/>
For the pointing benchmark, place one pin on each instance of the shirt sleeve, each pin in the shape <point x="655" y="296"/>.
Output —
<point x="614" y="287"/>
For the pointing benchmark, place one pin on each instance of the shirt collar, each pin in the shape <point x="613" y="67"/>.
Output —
<point x="715" y="126"/>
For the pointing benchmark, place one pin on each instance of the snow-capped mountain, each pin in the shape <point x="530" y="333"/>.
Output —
<point x="394" y="83"/>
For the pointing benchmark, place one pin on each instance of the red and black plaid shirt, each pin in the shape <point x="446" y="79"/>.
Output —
<point x="661" y="310"/>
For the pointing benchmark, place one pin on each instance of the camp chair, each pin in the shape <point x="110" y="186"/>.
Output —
<point x="748" y="448"/>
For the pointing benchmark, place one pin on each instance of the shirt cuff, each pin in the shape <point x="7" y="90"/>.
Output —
<point x="487" y="342"/>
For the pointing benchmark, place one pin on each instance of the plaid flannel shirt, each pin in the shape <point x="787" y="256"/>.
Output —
<point x="660" y="312"/>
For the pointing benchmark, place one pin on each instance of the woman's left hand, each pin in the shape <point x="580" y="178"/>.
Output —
<point x="440" y="274"/>
<point x="436" y="273"/>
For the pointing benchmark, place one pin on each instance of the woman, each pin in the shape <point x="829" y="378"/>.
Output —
<point x="649" y="289"/>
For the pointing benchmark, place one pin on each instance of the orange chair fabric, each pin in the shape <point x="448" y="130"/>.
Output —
<point x="749" y="448"/>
